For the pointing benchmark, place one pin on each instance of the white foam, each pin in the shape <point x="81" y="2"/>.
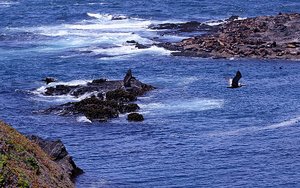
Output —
<point x="83" y="119"/>
<point x="106" y="16"/>
<point x="100" y="16"/>
<point x="130" y="50"/>
<point x="102" y="35"/>
<point x="116" y="25"/>
<point x="219" y="22"/>
<point x="215" y="22"/>
<point x="251" y="129"/>
<point x="8" y="3"/>
<point x="192" y="105"/>
<point x="41" y="90"/>
<point x="188" y="80"/>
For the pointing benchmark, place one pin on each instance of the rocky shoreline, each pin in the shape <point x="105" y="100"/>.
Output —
<point x="107" y="99"/>
<point x="34" y="162"/>
<point x="263" y="37"/>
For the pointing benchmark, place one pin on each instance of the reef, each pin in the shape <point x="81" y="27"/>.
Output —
<point x="262" y="37"/>
<point x="107" y="99"/>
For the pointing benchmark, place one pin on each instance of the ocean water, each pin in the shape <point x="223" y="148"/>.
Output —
<point x="196" y="133"/>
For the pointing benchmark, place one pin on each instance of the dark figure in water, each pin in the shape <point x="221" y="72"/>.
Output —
<point x="48" y="80"/>
<point x="235" y="80"/>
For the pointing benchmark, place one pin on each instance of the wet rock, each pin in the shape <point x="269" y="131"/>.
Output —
<point x="264" y="37"/>
<point x="137" y="45"/>
<point x="135" y="117"/>
<point x="121" y="95"/>
<point x="119" y="18"/>
<point x="58" y="153"/>
<point x="129" y="108"/>
<point x="232" y="18"/>
<point x="107" y="98"/>
<point x="48" y="80"/>
<point x="131" y="42"/>
<point x="98" y="81"/>
<point x="59" y="90"/>
<point x="191" y="26"/>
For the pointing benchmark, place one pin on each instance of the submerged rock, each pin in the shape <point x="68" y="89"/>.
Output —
<point x="137" y="45"/>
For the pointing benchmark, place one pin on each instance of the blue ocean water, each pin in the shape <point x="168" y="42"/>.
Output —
<point x="196" y="133"/>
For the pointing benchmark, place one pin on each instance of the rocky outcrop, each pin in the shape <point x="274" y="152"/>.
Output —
<point x="263" y="37"/>
<point x="192" y="26"/>
<point x="58" y="153"/>
<point x="24" y="164"/>
<point x="108" y="98"/>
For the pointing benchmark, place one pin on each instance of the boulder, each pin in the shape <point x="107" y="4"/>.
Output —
<point x="135" y="117"/>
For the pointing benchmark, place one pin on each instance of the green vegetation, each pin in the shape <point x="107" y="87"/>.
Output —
<point x="24" y="164"/>
<point x="23" y="183"/>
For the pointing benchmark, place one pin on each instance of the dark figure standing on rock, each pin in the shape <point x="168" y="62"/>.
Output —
<point x="127" y="78"/>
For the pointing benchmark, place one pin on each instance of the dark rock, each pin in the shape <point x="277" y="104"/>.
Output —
<point x="141" y="46"/>
<point x="108" y="98"/>
<point x="251" y="37"/>
<point x="59" y="90"/>
<point x="120" y="95"/>
<point x="58" y="153"/>
<point x="131" y="41"/>
<point x="137" y="45"/>
<point x="129" y="108"/>
<point x="48" y="80"/>
<point x="99" y="81"/>
<point x="232" y="18"/>
<point x="135" y="117"/>
<point x="119" y="18"/>
<point x="191" y="26"/>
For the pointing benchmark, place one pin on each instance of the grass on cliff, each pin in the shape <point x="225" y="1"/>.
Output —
<point x="24" y="164"/>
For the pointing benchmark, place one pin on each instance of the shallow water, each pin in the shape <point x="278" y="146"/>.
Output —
<point x="196" y="133"/>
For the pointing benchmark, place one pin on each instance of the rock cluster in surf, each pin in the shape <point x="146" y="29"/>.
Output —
<point x="263" y="37"/>
<point x="107" y="98"/>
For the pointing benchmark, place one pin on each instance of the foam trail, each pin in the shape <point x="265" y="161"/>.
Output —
<point x="194" y="105"/>
<point x="247" y="130"/>
<point x="7" y="3"/>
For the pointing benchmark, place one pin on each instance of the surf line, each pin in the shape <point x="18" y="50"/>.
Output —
<point x="247" y="130"/>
